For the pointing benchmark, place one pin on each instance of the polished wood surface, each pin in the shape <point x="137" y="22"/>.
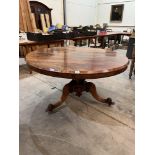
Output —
<point x="76" y="62"/>
<point x="27" y="46"/>
<point x="28" y="42"/>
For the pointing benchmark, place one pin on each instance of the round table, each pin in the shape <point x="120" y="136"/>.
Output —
<point x="78" y="64"/>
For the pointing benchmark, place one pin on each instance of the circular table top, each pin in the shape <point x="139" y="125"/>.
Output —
<point x="76" y="62"/>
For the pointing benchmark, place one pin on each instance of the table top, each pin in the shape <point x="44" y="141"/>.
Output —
<point x="102" y="34"/>
<point x="29" y="42"/>
<point x="76" y="62"/>
<point x="113" y="33"/>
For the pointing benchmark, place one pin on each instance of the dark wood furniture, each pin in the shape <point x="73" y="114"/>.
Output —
<point x="27" y="46"/>
<point x="131" y="54"/>
<point x="132" y="66"/>
<point x="31" y="45"/>
<point x="115" y="35"/>
<point x="78" y="64"/>
<point x="39" y="8"/>
<point x="101" y="36"/>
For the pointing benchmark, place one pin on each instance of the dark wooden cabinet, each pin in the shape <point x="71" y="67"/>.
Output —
<point x="39" y="8"/>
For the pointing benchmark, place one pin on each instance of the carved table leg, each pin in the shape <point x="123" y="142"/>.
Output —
<point x="92" y="90"/>
<point x="65" y="94"/>
<point x="30" y="71"/>
<point x="78" y="86"/>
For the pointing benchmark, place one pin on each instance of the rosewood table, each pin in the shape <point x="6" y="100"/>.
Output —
<point x="78" y="64"/>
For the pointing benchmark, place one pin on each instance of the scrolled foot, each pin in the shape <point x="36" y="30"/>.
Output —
<point x="109" y="101"/>
<point x="50" y="108"/>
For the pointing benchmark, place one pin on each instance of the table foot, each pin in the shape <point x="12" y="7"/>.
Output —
<point x="30" y="71"/>
<point x="93" y="91"/>
<point x="64" y="96"/>
<point x="78" y="86"/>
<point x="109" y="101"/>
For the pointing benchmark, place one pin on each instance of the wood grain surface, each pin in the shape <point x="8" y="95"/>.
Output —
<point x="76" y="62"/>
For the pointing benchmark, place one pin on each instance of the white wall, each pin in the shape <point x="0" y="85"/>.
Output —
<point x="81" y="12"/>
<point x="91" y="12"/>
<point x="104" y="10"/>
<point x="57" y="12"/>
<point x="78" y="12"/>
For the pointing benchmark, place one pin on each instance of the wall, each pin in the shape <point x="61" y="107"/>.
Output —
<point x="57" y="12"/>
<point x="81" y="12"/>
<point x="104" y="10"/>
<point x="91" y="12"/>
<point x="78" y="12"/>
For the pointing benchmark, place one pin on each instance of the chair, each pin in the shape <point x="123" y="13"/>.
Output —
<point x="131" y="55"/>
<point x="132" y="66"/>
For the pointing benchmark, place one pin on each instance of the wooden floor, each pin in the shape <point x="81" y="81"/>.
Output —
<point x="82" y="126"/>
